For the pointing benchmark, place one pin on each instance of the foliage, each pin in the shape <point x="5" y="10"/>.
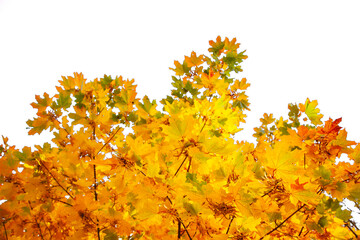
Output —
<point x="124" y="167"/>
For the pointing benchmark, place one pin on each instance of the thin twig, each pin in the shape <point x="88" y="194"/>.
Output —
<point x="180" y="166"/>
<point x="167" y="197"/>
<point x="36" y="221"/>
<point x="227" y="231"/>
<point x="185" y="229"/>
<point x="6" y="236"/>
<point x="108" y="140"/>
<point x="203" y="125"/>
<point x="95" y="179"/>
<point x="283" y="222"/>
<point x="62" y="202"/>
<point x="55" y="179"/>
<point x="347" y="225"/>
<point x="179" y="229"/>
<point x="353" y="224"/>
<point x="188" y="169"/>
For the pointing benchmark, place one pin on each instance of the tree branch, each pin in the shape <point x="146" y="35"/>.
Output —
<point x="36" y="221"/>
<point x="108" y="140"/>
<point x="179" y="229"/>
<point x="180" y="166"/>
<point x="227" y="231"/>
<point x="43" y="165"/>
<point x="347" y="225"/>
<point x="283" y="222"/>
<point x="6" y="236"/>
<point x="58" y="200"/>
<point x="179" y="219"/>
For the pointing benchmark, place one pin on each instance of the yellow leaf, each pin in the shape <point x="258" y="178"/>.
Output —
<point x="309" y="108"/>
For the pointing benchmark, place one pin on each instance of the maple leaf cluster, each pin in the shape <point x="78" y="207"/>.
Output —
<point x="121" y="167"/>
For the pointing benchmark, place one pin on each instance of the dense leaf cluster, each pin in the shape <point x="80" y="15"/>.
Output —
<point x="124" y="167"/>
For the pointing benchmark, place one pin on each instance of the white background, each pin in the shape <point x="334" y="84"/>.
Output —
<point x="296" y="49"/>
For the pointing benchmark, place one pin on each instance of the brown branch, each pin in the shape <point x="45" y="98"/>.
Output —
<point x="283" y="222"/>
<point x="267" y="193"/>
<point x="40" y="232"/>
<point x="36" y="221"/>
<point x="180" y="166"/>
<point x="55" y="179"/>
<point x="95" y="180"/>
<point x="62" y="202"/>
<point x="227" y="231"/>
<point x="167" y="197"/>
<point x="347" y="225"/>
<point x="6" y="236"/>
<point x="179" y="219"/>
<point x="106" y="143"/>
<point x="95" y="183"/>
<point x="188" y="169"/>
<point x="179" y="229"/>
<point x="353" y="224"/>
<point x="48" y="230"/>
<point x="302" y="228"/>
<point x="203" y="125"/>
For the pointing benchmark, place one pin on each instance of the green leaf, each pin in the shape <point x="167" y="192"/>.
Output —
<point x="147" y="106"/>
<point x="294" y="114"/>
<point x="132" y="117"/>
<point x="192" y="178"/>
<point x="20" y="197"/>
<point x="24" y="155"/>
<point x="64" y="101"/>
<point x="323" y="222"/>
<point x="26" y="210"/>
<point x="274" y="216"/>
<point x="355" y="192"/>
<point x="190" y="208"/>
<point x="341" y="186"/>
<point x="311" y="111"/>
<point x="12" y="160"/>
<point x="79" y="97"/>
<point x="323" y="173"/>
<point x="242" y="104"/>
<point x="105" y="81"/>
<point x="344" y="215"/>
<point x="314" y="226"/>
<point x="110" y="235"/>
<point x="258" y="170"/>
<point x="332" y="204"/>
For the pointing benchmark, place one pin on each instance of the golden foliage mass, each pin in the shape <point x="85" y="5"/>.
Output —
<point x="121" y="167"/>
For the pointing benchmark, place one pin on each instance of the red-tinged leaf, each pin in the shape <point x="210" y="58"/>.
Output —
<point x="297" y="186"/>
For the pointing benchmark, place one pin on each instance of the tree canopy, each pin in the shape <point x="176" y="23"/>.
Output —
<point x="122" y="167"/>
